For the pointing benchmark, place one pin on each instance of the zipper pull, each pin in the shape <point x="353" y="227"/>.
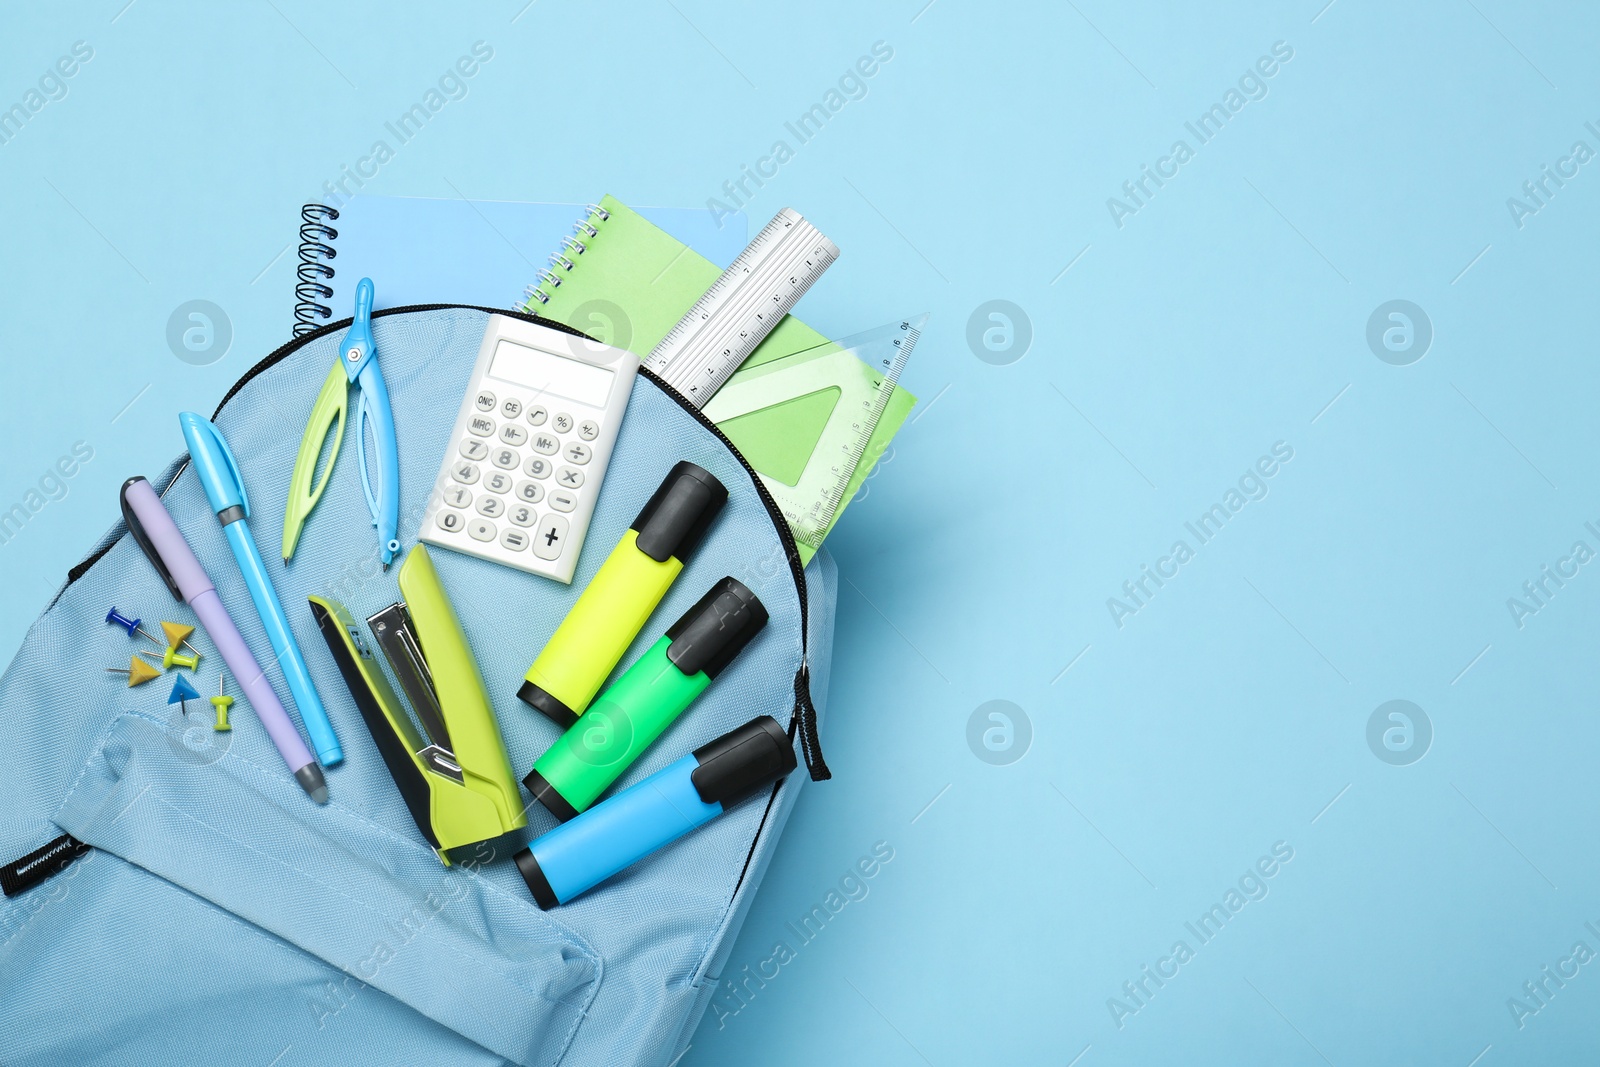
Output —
<point x="805" y="717"/>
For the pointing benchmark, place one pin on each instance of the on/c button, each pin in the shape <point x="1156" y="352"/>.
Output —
<point x="550" y="539"/>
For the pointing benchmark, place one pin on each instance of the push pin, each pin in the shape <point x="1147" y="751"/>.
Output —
<point x="131" y="625"/>
<point x="138" y="672"/>
<point x="171" y="658"/>
<point x="181" y="692"/>
<point x="222" y="702"/>
<point x="178" y="634"/>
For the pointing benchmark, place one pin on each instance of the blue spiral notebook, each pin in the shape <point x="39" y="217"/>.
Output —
<point x="421" y="250"/>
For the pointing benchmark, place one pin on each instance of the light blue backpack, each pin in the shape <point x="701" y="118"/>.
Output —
<point x="179" y="901"/>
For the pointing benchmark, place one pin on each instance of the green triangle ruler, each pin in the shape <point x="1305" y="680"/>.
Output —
<point x="834" y="394"/>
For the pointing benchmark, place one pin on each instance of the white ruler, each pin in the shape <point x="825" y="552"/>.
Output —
<point x="747" y="301"/>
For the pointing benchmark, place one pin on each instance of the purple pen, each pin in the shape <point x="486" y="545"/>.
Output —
<point x="152" y="527"/>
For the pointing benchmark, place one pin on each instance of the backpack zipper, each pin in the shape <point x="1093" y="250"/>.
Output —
<point x="803" y="718"/>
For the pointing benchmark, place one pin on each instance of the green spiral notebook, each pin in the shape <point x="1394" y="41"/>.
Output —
<point x="632" y="283"/>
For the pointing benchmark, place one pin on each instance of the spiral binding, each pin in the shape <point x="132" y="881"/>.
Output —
<point x="314" y="271"/>
<point x="573" y="245"/>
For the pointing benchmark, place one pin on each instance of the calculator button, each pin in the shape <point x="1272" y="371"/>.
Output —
<point x="544" y="444"/>
<point x="465" y="473"/>
<point x="562" y="500"/>
<point x="522" y="516"/>
<point x="451" y="521"/>
<point x="550" y="538"/>
<point x="505" y="458"/>
<point x="515" y="540"/>
<point x="481" y="530"/>
<point x="536" y="467"/>
<point x="513" y="434"/>
<point x="491" y="507"/>
<point x="482" y="425"/>
<point x="530" y="492"/>
<point x="497" y="482"/>
<point x="456" y="497"/>
<point x="511" y="408"/>
<point x="473" y="449"/>
<point x="579" y="454"/>
<point x="588" y="429"/>
<point x="561" y="423"/>
<point x="537" y="415"/>
<point x="485" y="401"/>
<point x="569" y="477"/>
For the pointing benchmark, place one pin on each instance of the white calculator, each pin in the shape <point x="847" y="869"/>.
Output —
<point x="530" y="447"/>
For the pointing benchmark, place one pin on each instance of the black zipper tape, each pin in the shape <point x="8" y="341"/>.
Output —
<point x="44" y="861"/>
<point x="803" y="719"/>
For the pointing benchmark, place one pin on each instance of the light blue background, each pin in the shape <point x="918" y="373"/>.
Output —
<point x="1228" y="314"/>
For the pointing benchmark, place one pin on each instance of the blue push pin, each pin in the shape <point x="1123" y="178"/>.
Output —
<point x="181" y="692"/>
<point x="130" y="625"/>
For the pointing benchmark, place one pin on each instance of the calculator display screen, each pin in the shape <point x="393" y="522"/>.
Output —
<point x="550" y="374"/>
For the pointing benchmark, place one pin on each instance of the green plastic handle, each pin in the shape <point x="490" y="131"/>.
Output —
<point x="303" y="496"/>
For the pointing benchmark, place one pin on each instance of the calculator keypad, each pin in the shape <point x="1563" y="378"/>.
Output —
<point x="492" y="455"/>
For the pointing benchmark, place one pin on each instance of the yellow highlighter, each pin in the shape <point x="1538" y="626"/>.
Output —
<point x="624" y="591"/>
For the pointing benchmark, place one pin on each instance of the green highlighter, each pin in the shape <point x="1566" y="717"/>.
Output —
<point x="630" y="715"/>
<point x="620" y="597"/>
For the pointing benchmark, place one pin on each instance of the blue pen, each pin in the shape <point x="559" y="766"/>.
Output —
<point x="219" y="477"/>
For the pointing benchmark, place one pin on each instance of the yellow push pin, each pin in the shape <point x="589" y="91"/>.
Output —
<point x="178" y="634"/>
<point x="222" y="702"/>
<point x="138" y="672"/>
<point x="170" y="659"/>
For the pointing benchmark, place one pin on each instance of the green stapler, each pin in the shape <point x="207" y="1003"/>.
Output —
<point x="454" y="773"/>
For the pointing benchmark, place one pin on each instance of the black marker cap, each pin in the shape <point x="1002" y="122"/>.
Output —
<point x="549" y="796"/>
<point x="742" y="761"/>
<point x="538" y="884"/>
<point x="716" y="629"/>
<point x="552" y="708"/>
<point x="678" y="514"/>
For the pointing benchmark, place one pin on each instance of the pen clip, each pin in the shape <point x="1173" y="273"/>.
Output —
<point x="215" y="434"/>
<point x="142" y="539"/>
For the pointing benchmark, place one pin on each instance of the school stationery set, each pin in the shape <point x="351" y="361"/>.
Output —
<point x="533" y="633"/>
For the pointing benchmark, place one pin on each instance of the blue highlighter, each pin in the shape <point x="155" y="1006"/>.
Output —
<point x="621" y="830"/>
